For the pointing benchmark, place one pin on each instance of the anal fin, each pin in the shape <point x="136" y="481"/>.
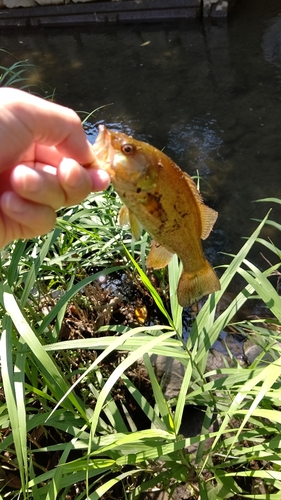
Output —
<point x="158" y="256"/>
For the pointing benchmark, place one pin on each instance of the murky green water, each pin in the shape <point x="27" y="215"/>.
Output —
<point x="210" y="94"/>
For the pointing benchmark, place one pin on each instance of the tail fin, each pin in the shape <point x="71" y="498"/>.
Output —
<point x="193" y="286"/>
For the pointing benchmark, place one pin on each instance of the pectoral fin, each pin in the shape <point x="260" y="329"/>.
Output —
<point x="123" y="216"/>
<point x="136" y="226"/>
<point x="127" y="217"/>
<point x="158" y="256"/>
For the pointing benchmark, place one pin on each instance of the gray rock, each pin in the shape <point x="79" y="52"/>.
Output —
<point x="13" y="4"/>
<point x="252" y="351"/>
<point x="50" y="2"/>
<point x="216" y="8"/>
<point x="169" y="373"/>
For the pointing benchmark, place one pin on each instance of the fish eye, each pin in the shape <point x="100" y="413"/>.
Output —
<point x="128" y="149"/>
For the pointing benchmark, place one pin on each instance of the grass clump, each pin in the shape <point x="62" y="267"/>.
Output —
<point x="72" y="409"/>
<point x="23" y="75"/>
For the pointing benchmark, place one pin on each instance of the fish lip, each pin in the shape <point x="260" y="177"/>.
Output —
<point x="103" y="151"/>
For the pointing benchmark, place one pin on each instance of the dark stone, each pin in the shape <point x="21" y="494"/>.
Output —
<point x="101" y="13"/>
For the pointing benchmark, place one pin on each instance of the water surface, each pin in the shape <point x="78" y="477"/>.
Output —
<point x="208" y="93"/>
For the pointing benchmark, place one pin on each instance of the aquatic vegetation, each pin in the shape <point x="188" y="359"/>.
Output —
<point x="22" y="75"/>
<point x="15" y="74"/>
<point x="78" y="411"/>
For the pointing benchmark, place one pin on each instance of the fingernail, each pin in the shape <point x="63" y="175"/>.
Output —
<point x="72" y="175"/>
<point x="103" y="175"/>
<point x="100" y="179"/>
<point x="30" y="180"/>
<point x="12" y="203"/>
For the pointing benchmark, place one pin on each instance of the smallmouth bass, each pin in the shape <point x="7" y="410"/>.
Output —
<point x="164" y="200"/>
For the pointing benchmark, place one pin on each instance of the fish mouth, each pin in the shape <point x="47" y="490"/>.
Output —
<point x="104" y="151"/>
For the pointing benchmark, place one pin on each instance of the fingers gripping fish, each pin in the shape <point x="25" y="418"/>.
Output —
<point x="164" y="200"/>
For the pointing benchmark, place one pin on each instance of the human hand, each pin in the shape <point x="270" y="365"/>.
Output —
<point x="42" y="149"/>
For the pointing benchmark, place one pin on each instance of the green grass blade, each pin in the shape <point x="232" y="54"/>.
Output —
<point x="274" y="200"/>
<point x="174" y="272"/>
<point x="159" y="396"/>
<point x="267" y="377"/>
<point x="101" y="490"/>
<point x="143" y="403"/>
<point x="8" y="380"/>
<point x="46" y="365"/>
<point x="134" y="356"/>
<point x="61" y="311"/>
<point x="110" y="409"/>
<point x="56" y="482"/>
<point x="258" y="280"/>
<point x="33" y="273"/>
<point x="116" y="344"/>
<point x="155" y="295"/>
<point x="181" y="401"/>
<point x="203" y="328"/>
<point x="13" y="271"/>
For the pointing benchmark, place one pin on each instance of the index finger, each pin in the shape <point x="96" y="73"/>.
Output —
<point x="26" y="119"/>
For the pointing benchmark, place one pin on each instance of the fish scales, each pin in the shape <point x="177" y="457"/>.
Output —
<point x="163" y="199"/>
<point x="167" y="212"/>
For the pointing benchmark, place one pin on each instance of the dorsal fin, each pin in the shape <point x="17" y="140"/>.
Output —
<point x="208" y="219"/>
<point x="193" y="188"/>
<point x="208" y="215"/>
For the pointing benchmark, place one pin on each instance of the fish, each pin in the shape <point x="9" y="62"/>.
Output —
<point x="162" y="199"/>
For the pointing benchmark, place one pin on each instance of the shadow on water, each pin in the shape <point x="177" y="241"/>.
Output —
<point x="208" y="93"/>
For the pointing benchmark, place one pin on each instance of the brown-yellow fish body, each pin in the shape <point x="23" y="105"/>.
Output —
<point x="163" y="199"/>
